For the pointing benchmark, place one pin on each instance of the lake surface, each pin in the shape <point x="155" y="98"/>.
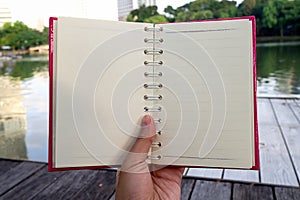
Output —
<point x="24" y="96"/>
<point x="278" y="68"/>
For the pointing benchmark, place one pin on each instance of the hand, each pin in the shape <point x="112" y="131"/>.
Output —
<point x="136" y="181"/>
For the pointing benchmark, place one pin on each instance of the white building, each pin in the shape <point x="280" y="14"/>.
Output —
<point x="124" y="8"/>
<point x="5" y="13"/>
<point x="146" y="2"/>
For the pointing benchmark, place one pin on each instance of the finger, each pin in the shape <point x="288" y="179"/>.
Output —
<point x="146" y="136"/>
<point x="135" y="162"/>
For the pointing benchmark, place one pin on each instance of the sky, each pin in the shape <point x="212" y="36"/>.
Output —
<point x="32" y="12"/>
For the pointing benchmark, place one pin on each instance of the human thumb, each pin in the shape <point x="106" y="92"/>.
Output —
<point x="135" y="162"/>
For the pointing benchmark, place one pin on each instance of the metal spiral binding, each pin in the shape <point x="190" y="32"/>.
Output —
<point x="157" y="121"/>
<point x="152" y="109"/>
<point x="153" y="85"/>
<point x="153" y="52"/>
<point x="152" y="74"/>
<point x="158" y="29"/>
<point x="152" y="40"/>
<point x="153" y="63"/>
<point x="156" y="144"/>
<point x="154" y="157"/>
<point x="152" y="97"/>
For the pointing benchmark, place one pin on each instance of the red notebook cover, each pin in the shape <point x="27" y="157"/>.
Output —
<point x="51" y="67"/>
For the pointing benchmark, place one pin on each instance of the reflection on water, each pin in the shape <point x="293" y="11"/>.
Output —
<point x="24" y="96"/>
<point x="278" y="68"/>
<point x="23" y="109"/>
<point x="12" y="120"/>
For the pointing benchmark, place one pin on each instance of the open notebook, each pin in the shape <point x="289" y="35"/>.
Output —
<point x="197" y="80"/>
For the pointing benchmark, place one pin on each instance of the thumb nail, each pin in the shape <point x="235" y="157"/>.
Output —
<point x="146" y="120"/>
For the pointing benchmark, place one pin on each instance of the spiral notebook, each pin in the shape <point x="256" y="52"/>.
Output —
<point x="197" y="80"/>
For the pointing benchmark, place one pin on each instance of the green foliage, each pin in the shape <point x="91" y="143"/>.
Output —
<point x="156" y="19"/>
<point x="278" y="16"/>
<point x="246" y="7"/>
<point x="141" y="14"/>
<point x="273" y="17"/>
<point x="26" y="69"/>
<point x="269" y="15"/>
<point x="23" y="69"/>
<point x="226" y="9"/>
<point x="171" y="13"/>
<point x="20" y="36"/>
<point x="204" y="9"/>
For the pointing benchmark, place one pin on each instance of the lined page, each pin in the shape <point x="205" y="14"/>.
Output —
<point x="207" y="94"/>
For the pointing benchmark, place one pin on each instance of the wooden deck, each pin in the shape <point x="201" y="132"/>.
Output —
<point x="30" y="180"/>
<point x="279" y="142"/>
<point x="279" y="131"/>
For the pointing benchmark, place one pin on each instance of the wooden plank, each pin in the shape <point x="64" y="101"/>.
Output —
<point x="18" y="174"/>
<point x="290" y="128"/>
<point x="287" y="193"/>
<point x="67" y="185"/>
<point x="242" y="175"/>
<point x="279" y="96"/>
<point x="187" y="186"/>
<point x="297" y="101"/>
<point x="211" y="190"/>
<point x="276" y="166"/>
<point x="33" y="185"/>
<point x="101" y="186"/>
<point x="245" y="192"/>
<point x="283" y="112"/>
<point x="205" y="173"/>
<point x="113" y="197"/>
<point x="185" y="171"/>
<point x="294" y="107"/>
<point x="6" y="165"/>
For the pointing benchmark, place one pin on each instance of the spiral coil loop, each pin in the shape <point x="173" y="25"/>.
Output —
<point x="152" y="97"/>
<point x="153" y="52"/>
<point x="157" y="121"/>
<point x="156" y="144"/>
<point x="157" y="29"/>
<point x="152" y="109"/>
<point x="153" y="74"/>
<point x="154" y="40"/>
<point x="153" y="63"/>
<point x="153" y="85"/>
<point x="154" y="157"/>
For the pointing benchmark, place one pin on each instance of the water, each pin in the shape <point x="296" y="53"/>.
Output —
<point x="24" y="96"/>
<point x="278" y="68"/>
<point x="24" y="108"/>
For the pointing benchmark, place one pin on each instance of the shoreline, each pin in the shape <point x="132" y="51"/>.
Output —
<point x="263" y="39"/>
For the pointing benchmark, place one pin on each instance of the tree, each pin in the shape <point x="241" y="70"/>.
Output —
<point x="287" y="12"/>
<point x="196" y="10"/>
<point x="280" y="14"/>
<point x="20" y="36"/>
<point x="246" y="7"/>
<point x="272" y="17"/>
<point x="226" y="9"/>
<point x="269" y="16"/>
<point x="156" y="19"/>
<point x="171" y="13"/>
<point x="203" y="9"/>
<point x="141" y="14"/>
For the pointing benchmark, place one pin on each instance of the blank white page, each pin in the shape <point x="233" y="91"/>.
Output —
<point x="99" y="88"/>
